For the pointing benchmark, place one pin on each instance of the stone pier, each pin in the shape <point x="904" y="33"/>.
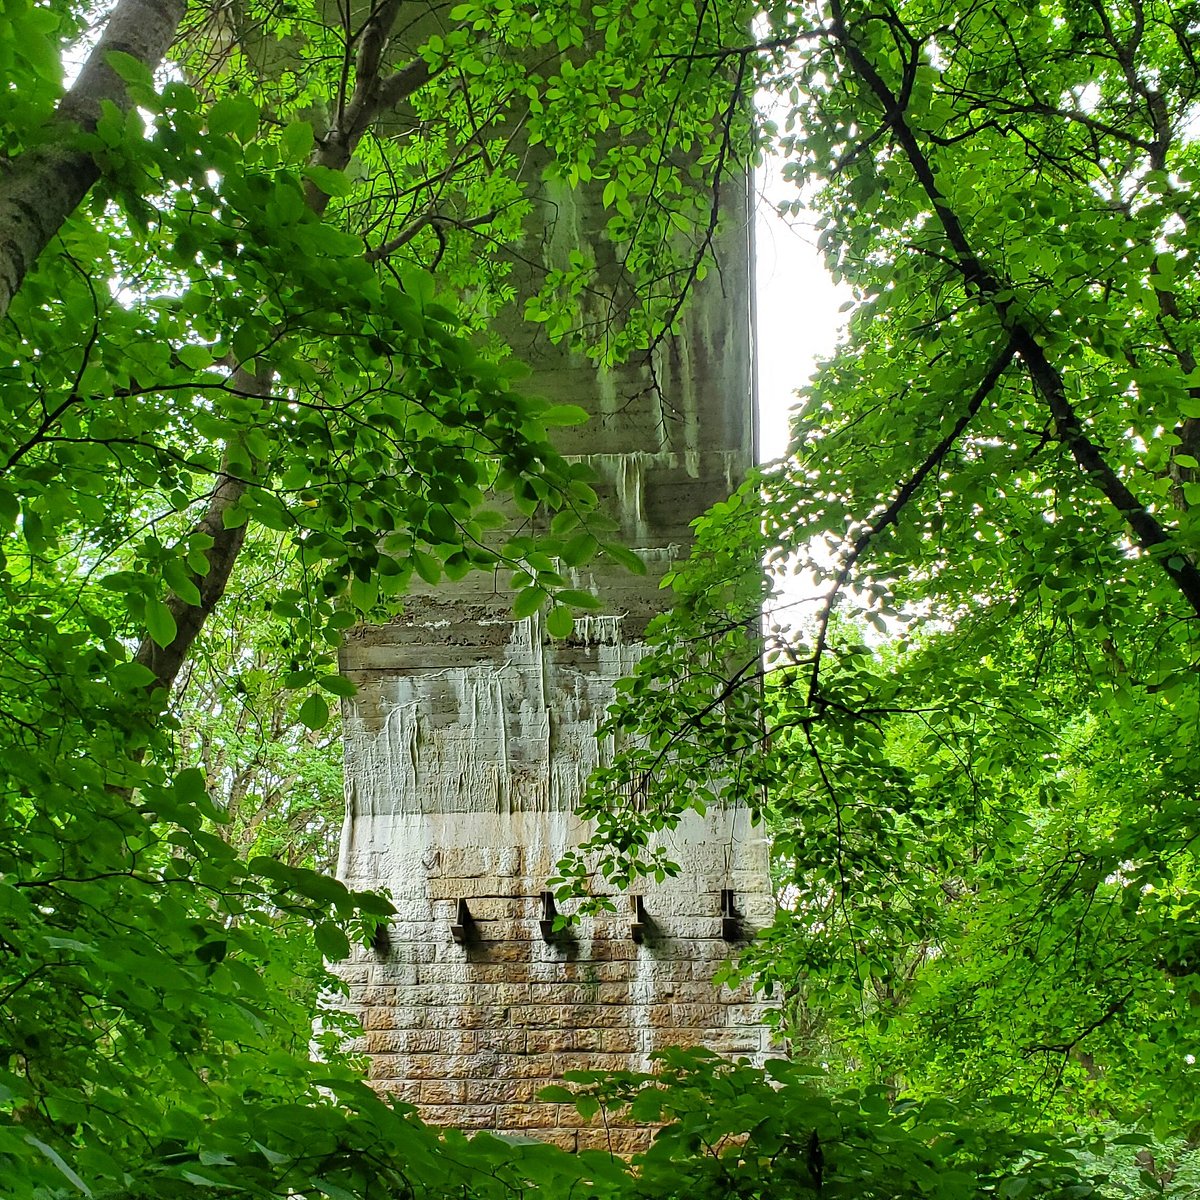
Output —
<point x="472" y="736"/>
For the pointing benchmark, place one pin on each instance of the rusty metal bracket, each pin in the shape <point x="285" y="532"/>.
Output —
<point x="731" y="926"/>
<point x="381" y="942"/>
<point x="546" y="924"/>
<point x="463" y="928"/>
<point x="637" y="927"/>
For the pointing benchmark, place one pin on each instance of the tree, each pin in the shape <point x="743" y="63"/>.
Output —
<point x="245" y="305"/>
<point x="244" y="321"/>
<point x="981" y="742"/>
<point x="277" y="783"/>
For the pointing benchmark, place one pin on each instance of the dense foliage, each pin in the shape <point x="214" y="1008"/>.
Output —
<point x="249" y="392"/>
<point x="981" y="686"/>
<point x="243" y="355"/>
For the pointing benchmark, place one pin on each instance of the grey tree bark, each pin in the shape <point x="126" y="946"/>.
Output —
<point x="42" y="187"/>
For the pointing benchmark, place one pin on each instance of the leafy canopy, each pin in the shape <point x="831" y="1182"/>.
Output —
<point x="263" y="337"/>
<point x="979" y="753"/>
<point x="256" y="361"/>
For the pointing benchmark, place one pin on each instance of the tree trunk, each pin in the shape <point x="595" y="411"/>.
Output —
<point x="42" y="187"/>
<point x="372" y="94"/>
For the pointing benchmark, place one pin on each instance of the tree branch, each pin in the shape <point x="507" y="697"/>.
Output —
<point x="1149" y="534"/>
<point x="167" y="661"/>
<point x="891" y="514"/>
<point x="425" y="220"/>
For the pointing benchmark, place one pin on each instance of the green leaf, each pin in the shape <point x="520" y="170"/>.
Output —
<point x="60" y="1163"/>
<point x="331" y="941"/>
<point x="199" y="358"/>
<point x="332" y="183"/>
<point x="130" y="69"/>
<point x="563" y="414"/>
<point x="236" y="115"/>
<point x="334" y="1191"/>
<point x="191" y="787"/>
<point x="296" y="141"/>
<point x="180" y="582"/>
<point x="579" y="550"/>
<point x="625" y="557"/>
<point x="235" y="516"/>
<point x="339" y="685"/>
<point x="559" y="622"/>
<point x="527" y="602"/>
<point x="428" y="567"/>
<point x="10" y="508"/>
<point x="314" y="712"/>
<point x="160" y="624"/>
<point x="578" y="599"/>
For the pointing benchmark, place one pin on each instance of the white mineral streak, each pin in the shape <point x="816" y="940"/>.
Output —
<point x="511" y="743"/>
<point x="507" y="736"/>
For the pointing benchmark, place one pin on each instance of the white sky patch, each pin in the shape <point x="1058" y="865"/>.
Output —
<point x="797" y="307"/>
<point x="798" y="323"/>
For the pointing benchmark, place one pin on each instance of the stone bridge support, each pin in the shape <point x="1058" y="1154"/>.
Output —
<point x="470" y="741"/>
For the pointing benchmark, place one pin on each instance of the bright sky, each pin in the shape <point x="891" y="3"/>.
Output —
<point x="798" y="318"/>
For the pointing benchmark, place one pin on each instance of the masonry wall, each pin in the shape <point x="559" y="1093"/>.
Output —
<point x="472" y="736"/>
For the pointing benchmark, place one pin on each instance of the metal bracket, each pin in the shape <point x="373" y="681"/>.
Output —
<point x="464" y="926"/>
<point x="731" y="926"/>
<point x="381" y="943"/>
<point x="546" y="924"/>
<point x="637" y="927"/>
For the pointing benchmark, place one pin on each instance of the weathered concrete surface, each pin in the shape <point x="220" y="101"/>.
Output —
<point x="470" y="741"/>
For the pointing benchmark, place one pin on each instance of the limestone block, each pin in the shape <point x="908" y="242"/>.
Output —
<point x="537" y="1068"/>
<point x="479" y="1018"/>
<point x="492" y="933"/>
<point x="461" y="1116"/>
<point x="379" y="1018"/>
<point x="524" y="1117"/>
<point x="481" y="949"/>
<point x="620" y="1041"/>
<point x="588" y="1062"/>
<point x="436" y="995"/>
<point x="588" y="971"/>
<point x="611" y="1016"/>
<point x="407" y="1091"/>
<point x="505" y="1091"/>
<point x="390" y="1066"/>
<point x="564" y="1139"/>
<point x="456" y="972"/>
<point x="735" y="1042"/>
<point x="542" y="1041"/>
<point x="422" y="1041"/>
<point x="744" y="1014"/>
<point x="615" y="949"/>
<point x="442" y="1091"/>
<point x="566" y="993"/>
<point x="743" y="994"/>
<point x="409" y="1016"/>
<point x="694" y="1016"/>
<point x="614" y="1141"/>
<point x="448" y="1066"/>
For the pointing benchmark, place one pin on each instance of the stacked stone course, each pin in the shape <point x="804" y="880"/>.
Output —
<point x="471" y="1033"/>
